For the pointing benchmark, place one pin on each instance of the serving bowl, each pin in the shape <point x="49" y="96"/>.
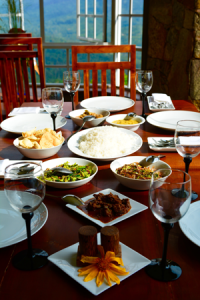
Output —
<point x="136" y="184"/>
<point x="93" y="123"/>
<point x="72" y="184"/>
<point x="132" y="127"/>
<point x="37" y="153"/>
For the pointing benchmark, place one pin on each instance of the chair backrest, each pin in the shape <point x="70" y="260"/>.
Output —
<point x="15" y="35"/>
<point x="103" y="66"/>
<point x="17" y="72"/>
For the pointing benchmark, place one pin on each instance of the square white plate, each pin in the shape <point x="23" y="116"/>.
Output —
<point x="66" y="261"/>
<point x="160" y="149"/>
<point x="136" y="207"/>
<point x="151" y="104"/>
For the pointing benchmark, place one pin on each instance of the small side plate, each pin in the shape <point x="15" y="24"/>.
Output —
<point x="152" y="105"/>
<point x="151" y="141"/>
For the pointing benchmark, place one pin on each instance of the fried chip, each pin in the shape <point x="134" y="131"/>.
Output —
<point x="26" y="143"/>
<point x="29" y="133"/>
<point x="36" y="145"/>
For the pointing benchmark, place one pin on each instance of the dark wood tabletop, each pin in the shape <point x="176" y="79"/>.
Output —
<point x="142" y="232"/>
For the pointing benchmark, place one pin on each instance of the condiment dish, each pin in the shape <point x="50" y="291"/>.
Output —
<point x="89" y="124"/>
<point x="132" y="127"/>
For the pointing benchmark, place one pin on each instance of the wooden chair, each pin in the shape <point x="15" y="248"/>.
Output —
<point x="15" y="35"/>
<point x="103" y="66"/>
<point x="17" y="72"/>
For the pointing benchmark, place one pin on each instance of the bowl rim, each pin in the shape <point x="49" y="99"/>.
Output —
<point x="18" y="146"/>
<point x="71" y="182"/>
<point x="131" y="179"/>
<point x="125" y="125"/>
<point x="83" y="109"/>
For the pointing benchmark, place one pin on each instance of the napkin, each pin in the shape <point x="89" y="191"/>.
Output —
<point x="24" y="110"/>
<point x="189" y="140"/>
<point x="3" y="164"/>
<point x="161" y="98"/>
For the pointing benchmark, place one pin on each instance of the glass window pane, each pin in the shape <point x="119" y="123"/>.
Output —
<point x="124" y="56"/>
<point x="137" y="31"/>
<point x="91" y="7"/>
<point x="101" y="57"/>
<point x="125" y="30"/>
<point x="91" y="28"/>
<point x="70" y="56"/>
<point x="82" y="57"/>
<point x="99" y="7"/>
<point x="32" y="17"/>
<point x="99" y="33"/>
<point x="4" y="25"/>
<point x="54" y="75"/>
<point x="138" y="7"/>
<point x="60" y="23"/>
<point x="125" y="6"/>
<point x="82" y="6"/>
<point x="55" y="57"/>
<point x="138" y="59"/>
<point x="82" y="26"/>
<point x="108" y="21"/>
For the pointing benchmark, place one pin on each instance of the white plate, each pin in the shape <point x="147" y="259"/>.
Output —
<point x="12" y="225"/>
<point x="169" y="119"/>
<point x="160" y="149"/>
<point x="22" y="123"/>
<point x="151" y="104"/>
<point x="190" y="223"/>
<point x="136" y="207"/>
<point x="73" y="145"/>
<point x="111" y="103"/>
<point x="8" y="162"/>
<point x="66" y="261"/>
<point x="72" y="184"/>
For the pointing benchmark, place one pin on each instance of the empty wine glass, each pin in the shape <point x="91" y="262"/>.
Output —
<point x="71" y="80"/>
<point x="187" y="142"/>
<point x="52" y="101"/>
<point x="144" y="82"/>
<point x="168" y="207"/>
<point x="25" y="188"/>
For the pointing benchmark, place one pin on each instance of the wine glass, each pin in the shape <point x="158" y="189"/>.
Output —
<point x="25" y="188"/>
<point x="71" y="80"/>
<point x="144" y="82"/>
<point x="187" y="142"/>
<point x="52" y="101"/>
<point x="168" y="207"/>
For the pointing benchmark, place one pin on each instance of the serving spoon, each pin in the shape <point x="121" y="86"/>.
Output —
<point x="147" y="161"/>
<point x="130" y="116"/>
<point x="85" y="119"/>
<point x="73" y="200"/>
<point x="61" y="170"/>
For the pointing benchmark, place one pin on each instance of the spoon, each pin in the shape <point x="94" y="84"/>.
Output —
<point x="73" y="200"/>
<point x="147" y="161"/>
<point x="61" y="170"/>
<point x="85" y="119"/>
<point x="130" y="116"/>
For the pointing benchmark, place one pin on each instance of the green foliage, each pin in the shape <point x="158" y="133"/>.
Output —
<point x="13" y="7"/>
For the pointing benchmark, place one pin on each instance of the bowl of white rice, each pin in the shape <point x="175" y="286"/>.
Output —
<point x="104" y="143"/>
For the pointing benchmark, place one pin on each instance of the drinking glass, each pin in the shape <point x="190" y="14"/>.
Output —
<point x="144" y="82"/>
<point x="187" y="142"/>
<point x="71" y="80"/>
<point x="52" y="101"/>
<point x="168" y="207"/>
<point x="25" y="188"/>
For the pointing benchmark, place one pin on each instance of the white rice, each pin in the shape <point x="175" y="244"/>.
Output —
<point x="106" y="141"/>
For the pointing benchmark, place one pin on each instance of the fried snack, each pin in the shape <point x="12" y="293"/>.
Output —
<point x="40" y="139"/>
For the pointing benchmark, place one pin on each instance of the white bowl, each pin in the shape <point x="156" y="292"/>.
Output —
<point x="136" y="184"/>
<point x="69" y="185"/>
<point x="37" y="153"/>
<point x="93" y="123"/>
<point x="132" y="127"/>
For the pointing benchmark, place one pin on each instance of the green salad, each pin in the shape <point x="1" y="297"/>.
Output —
<point x="79" y="173"/>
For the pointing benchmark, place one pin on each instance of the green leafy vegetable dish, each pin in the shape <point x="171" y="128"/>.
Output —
<point x="79" y="173"/>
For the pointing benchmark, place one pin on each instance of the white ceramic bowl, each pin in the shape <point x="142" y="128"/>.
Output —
<point x="136" y="184"/>
<point x="37" y="153"/>
<point x="69" y="185"/>
<point x="132" y="127"/>
<point x="93" y="123"/>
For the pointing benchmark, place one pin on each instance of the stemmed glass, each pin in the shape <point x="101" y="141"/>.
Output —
<point x="71" y="80"/>
<point x="25" y="188"/>
<point x="52" y="101"/>
<point x="144" y="82"/>
<point x="187" y="142"/>
<point x="168" y="207"/>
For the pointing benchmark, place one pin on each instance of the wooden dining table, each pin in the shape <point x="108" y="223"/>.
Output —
<point x="142" y="232"/>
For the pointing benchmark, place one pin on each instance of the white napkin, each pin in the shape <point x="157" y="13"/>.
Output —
<point x="3" y="164"/>
<point x="189" y="140"/>
<point x="24" y="110"/>
<point x="161" y="98"/>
